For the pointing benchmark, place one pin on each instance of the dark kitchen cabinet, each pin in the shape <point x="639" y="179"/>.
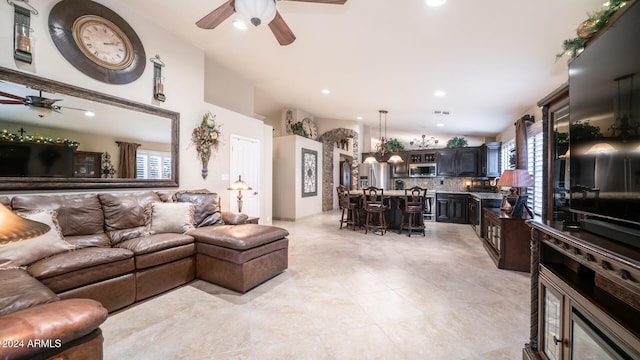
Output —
<point x="458" y="162"/>
<point x="490" y="159"/>
<point x="451" y="208"/>
<point x="401" y="170"/>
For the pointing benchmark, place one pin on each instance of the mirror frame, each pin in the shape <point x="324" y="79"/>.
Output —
<point x="44" y="183"/>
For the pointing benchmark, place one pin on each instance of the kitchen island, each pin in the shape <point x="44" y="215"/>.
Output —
<point x="394" y="199"/>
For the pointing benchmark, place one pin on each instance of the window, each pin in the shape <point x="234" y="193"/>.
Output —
<point x="535" y="162"/>
<point x="508" y="153"/>
<point x="153" y="164"/>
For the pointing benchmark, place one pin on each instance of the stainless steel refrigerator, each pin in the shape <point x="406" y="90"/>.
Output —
<point x="377" y="174"/>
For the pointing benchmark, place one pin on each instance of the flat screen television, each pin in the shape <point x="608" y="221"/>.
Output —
<point x="604" y="131"/>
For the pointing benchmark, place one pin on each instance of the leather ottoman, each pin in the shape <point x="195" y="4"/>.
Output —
<point x="240" y="257"/>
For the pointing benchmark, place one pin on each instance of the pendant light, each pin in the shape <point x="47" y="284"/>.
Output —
<point x="256" y="11"/>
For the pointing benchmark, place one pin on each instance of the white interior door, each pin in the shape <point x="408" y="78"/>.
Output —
<point x="245" y="162"/>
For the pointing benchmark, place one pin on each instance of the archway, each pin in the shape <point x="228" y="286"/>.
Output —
<point x="329" y="140"/>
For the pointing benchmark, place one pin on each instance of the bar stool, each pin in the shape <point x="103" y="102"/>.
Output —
<point x="414" y="206"/>
<point x="373" y="203"/>
<point x="349" y="204"/>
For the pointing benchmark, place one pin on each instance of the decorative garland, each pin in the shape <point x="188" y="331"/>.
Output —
<point x="7" y="136"/>
<point x="590" y="27"/>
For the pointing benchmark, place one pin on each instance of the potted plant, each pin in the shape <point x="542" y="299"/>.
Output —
<point x="457" y="142"/>
<point x="298" y="129"/>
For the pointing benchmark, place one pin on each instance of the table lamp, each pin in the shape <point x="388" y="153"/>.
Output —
<point x="514" y="178"/>
<point x="239" y="185"/>
<point x="14" y="228"/>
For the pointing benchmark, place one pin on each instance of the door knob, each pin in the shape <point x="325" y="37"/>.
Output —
<point x="255" y="193"/>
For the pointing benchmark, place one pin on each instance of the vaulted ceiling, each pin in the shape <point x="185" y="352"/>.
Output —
<point x="494" y="59"/>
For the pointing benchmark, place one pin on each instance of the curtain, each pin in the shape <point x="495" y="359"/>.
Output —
<point x="521" y="141"/>
<point x="127" y="167"/>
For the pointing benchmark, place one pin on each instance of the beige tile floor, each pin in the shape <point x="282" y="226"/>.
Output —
<point x="346" y="295"/>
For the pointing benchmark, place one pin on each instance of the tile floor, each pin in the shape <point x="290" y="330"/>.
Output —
<point x="346" y="295"/>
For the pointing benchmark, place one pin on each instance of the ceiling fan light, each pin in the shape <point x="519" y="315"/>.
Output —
<point x="42" y="111"/>
<point x="256" y="11"/>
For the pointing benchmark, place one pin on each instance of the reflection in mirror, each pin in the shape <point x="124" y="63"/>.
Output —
<point x="55" y="135"/>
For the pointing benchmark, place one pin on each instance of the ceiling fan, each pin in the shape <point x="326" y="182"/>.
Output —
<point x="257" y="11"/>
<point x="39" y="103"/>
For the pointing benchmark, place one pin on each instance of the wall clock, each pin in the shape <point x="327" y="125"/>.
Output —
<point x="310" y="127"/>
<point x="97" y="41"/>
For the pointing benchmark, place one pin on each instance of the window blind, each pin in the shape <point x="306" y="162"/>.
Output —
<point x="153" y="164"/>
<point x="536" y="164"/>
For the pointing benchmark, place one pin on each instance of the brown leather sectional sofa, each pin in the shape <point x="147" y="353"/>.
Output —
<point x="60" y="301"/>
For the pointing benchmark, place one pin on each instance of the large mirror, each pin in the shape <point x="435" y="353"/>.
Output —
<point x="59" y="136"/>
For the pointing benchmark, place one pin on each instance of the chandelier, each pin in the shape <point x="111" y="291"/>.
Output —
<point x="624" y="127"/>
<point x="382" y="148"/>
<point x="424" y="142"/>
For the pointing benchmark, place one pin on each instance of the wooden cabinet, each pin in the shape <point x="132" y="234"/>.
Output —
<point x="451" y="208"/>
<point x="446" y="163"/>
<point x="489" y="163"/>
<point x="458" y="162"/>
<point x="401" y="170"/>
<point x="87" y="164"/>
<point x="585" y="296"/>
<point x="506" y="240"/>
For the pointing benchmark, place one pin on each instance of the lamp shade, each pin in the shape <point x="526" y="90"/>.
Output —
<point x="239" y="185"/>
<point x="14" y="228"/>
<point x="256" y="11"/>
<point x="395" y="158"/>
<point x="371" y="160"/>
<point x="600" y="149"/>
<point x="515" y="178"/>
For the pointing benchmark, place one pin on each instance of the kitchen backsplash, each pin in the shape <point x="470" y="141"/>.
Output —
<point x="438" y="183"/>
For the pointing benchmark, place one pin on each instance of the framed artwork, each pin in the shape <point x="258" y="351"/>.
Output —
<point x="520" y="206"/>
<point x="309" y="172"/>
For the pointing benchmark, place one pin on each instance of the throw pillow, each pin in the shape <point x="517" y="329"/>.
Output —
<point x="28" y="251"/>
<point x="171" y="218"/>
<point x="207" y="207"/>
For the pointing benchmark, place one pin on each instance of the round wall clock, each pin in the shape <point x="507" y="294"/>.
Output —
<point x="310" y="127"/>
<point x="97" y="41"/>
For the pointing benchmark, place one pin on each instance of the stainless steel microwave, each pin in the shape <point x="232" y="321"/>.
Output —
<point x="422" y="170"/>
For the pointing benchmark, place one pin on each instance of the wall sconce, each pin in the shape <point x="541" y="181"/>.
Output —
<point x="158" y="79"/>
<point x="239" y="185"/>
<point x="14" y="228"/>
<point x="22" y="30"/>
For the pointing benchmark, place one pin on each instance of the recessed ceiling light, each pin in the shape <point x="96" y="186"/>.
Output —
<point x="434" y="3"/>
<point x="439" y="124"/>
<point x="359" y="118"/>
<point x="238" y="24"/>
<point x="439" y="93"/>
<point x="326" y="91"/>
<point x="89" y="113"/>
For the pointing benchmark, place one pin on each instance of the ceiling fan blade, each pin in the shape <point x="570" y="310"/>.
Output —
<point x="11" y="96"/>
<point x="217" y="16"/>
<point x="337" y="2"/>
<point x="281" y="30"/>
<point x="8" y="102"/>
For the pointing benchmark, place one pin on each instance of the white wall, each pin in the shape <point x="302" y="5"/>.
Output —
<point x="184" y="88"/>
<point x="510" y="132"/>
<point x="288" y="203"/>
<point x="227" y="89"/>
